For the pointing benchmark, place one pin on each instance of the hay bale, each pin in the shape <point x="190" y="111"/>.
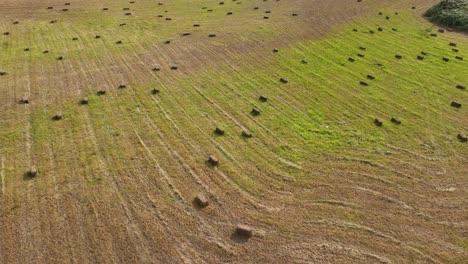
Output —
<point x="355" y="30"/>
<point x="460" y="87"/>
<point x="74" y="38"/>
<point x="186" y="34"/>
<point x="424" y="53"/>
<point x="118" y="42"/>
<point x="196" y="25"/>
<point x="219" y="131"/>
<point x="33" y="171"/>
<point x="395" y="121"/>
<point x="24" y="100"/>
<point x="351" y="59"/>
<point x="459" y="57"/>
<point x="212" y="35"/>
<point x="50" y="7"/>
<point x="364" y="83"/>
<point x="246" y="133"/>
<point x="60" y="58"/>
<point x="97" y="37"/>
<point x="378" y="122"/>
<point x="213" y="160"/>
<point x="462" y="138"/>
<point x="283" y="80"/>
<point x="16" y="22"/>
<point x="122" y="24"/>
<point x="452" y="44"/>
<point x="262" y="98"/>
<point x="255" y="111"/>
<point x="360" y="55"/>
<point x="6" y="33"/>
<point x="45" y="51"/>
<point x="2" y="73"/>
<point x="386" y="17"/>
<point x="122" y="85"/>
<point x="155" y="91"/>
<point x="102" y="92"/>
<point x="156" y="68"/>
<point x="455" y="104"/>
<point x="26" y="49"/>
<point x="244" y="231"/>
<point x="266" y="17"/>
<point x="445" y="59"/>
<point x="84" y="101"/>
<point x="58" y="116"/>
<point x="433" y="35"/>
<point x="167" y="42"/>
<point x="201" y="200"/>
<point x="398" y="56"/>
<point x="419" y="57"/>
<point x="371" y="31"/>
<point x="128" y="14"/>
<point x="295" y="14"/>
<point x="380" y="29"/>
<point x="362" y="48"/>
<point x="105" y="8"/>
<point x="394" y="29"/>
<point x="441" y="30"/>
<point x="455" y="50"/>
<point x="370" y="77"/>
<point x="275" y="50"/>
<point x="304" y="61"/>
<point x="168" y="19"/>
<point x="229" y="13"/>
<point x="174" y="67"/>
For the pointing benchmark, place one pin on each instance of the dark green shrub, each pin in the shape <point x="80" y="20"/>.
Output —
<point x="450" y="13"/>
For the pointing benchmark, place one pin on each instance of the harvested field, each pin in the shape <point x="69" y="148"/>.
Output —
<point x="241" y="140"/>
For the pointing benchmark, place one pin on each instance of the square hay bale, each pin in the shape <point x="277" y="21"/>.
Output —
<point x="275" y="50"/>
<point x="360" y="55"/>
<point x="304" y="61"/>
<point x="219" y="131"/>
<point x="246" y="133"/>
<point x="351" y="59"/>
<point x="105" y="8"/>
<point x="212" y="35"/>
<point x="33" y="171"/>
<point x="380" y="29"/>
<point x="455" y="104"/>
<point x="452" y="44"/>
<point x="84" y="101"/>
<point x="244" y="231"/>
<point x="26" y="49"/>
<point x="295" y="14"/>
<point x="255" y="111"/>
<point x="370" y="77"/>
<point x="102" y="92"/>
<point x="394" y="29"/>
<point x="433" y="35"/>
<point x="423" y="53"/>
<point x="201" y="200"/>
<point x="2" y="73"/>
<point x="419" y="57"/>
<point x="118" y="42"/>
<point x="362" y="48"/>
<point x="441" y="30"/>
<point x="283" y="80"/>
<point x="455" y="50"/>
<point x="97" y="37"/>
<point x="45" y="51"/>
<point x="60" y="58"/>
<point x="262" y="98"/>
<point x="378" y="122"/>
<point x="355" y="30"/>
<point x="6" y="33"/>
<point x="156" y="68"/>
<point x="460" y="87"/>
<point x="122" y="24"/>
<point x="58" y="116"/>
<point x="364" y="83"/>
<point x="398" y="56"/>
<point x="462" y="137"/>
<point x="213" y="160"/>
<point x="74" y="38"/>
<point x="186" y="34"/>
<point x="174" y="67"/>
<point x="395" y="121"/>
<point x="155" y="91"/>
<point x="196" y="25"/>
<point x="229" y="13"/>
<point x="371" y="31"/>
<point x="445" y="59"/>
<point x="122" y="85"/>
<point x="459" y="57"/>
<point x="24" y="100"/>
